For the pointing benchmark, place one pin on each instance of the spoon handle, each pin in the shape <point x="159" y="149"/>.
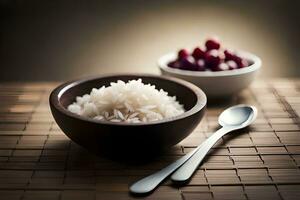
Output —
<point x="186" y="170"/>
<point x="150" y="182"/>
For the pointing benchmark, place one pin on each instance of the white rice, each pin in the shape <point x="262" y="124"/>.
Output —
<point x="131" y="102"/>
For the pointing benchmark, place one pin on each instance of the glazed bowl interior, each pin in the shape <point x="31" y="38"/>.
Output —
<point x="98" y="135"/>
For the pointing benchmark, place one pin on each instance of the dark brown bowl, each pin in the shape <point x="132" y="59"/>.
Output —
<point x="125" y="137"/>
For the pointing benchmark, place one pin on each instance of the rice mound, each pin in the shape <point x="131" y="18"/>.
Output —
<point x="132" y="102"/>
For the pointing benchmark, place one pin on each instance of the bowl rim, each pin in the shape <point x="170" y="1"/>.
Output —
<point x="54" y="98"/>
<point x="256" y="64"/>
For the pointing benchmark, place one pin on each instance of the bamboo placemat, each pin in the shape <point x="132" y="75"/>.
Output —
<point x="37" y="161"/>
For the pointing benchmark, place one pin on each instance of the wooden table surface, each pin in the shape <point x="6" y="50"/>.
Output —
<point x="37" y="161"/>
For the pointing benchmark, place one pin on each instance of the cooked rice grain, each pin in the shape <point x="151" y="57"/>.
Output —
<point x="131" y="102"/>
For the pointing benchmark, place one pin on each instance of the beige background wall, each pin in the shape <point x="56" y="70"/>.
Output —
<point x="59" y="40"/>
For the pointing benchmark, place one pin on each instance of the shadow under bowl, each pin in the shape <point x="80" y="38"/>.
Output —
<point x="121" y="138"/>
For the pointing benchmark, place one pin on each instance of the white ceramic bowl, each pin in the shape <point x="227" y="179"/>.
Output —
<point x="215" y="84"/>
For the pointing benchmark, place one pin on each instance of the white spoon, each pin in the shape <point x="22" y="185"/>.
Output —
<point x="150" y="182"/>
<point x="231" y="119"/>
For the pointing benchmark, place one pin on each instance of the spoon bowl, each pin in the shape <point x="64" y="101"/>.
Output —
<point x="238" y="116"/>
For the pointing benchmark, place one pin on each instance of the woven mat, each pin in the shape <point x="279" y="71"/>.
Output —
<point x="37" y="161"/>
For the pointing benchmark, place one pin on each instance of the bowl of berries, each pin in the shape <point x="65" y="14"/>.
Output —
<point x="220" y="72"/>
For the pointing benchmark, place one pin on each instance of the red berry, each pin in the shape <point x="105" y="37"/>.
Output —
<point x="198" y="53"/>
<point x="174" y="64"/>
<point x="212" y="58"/>
<point x="212" y="44"/>
<point x="229" y="55"/>
<point x="221" y="67"/>
<point x="244" y="63"/>
<point x="238" y="60"/>
<point x="188" y="63"/>
<point x="221" y="55"/>
<point x="200" y="65"/>
<point x="232" y="65"/>
<point x="183" y="53"/>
